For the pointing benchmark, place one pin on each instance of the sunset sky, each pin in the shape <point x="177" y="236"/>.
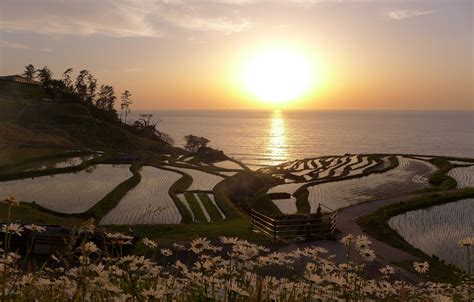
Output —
<point x="178" y="54"/>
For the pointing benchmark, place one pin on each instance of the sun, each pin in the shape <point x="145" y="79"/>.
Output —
<point x="278" y="75"/>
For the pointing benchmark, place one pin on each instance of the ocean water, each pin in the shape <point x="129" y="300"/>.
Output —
<point x="261" y="138"/>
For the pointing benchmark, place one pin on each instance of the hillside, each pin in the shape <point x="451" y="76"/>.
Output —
<point x="28" y="119"/>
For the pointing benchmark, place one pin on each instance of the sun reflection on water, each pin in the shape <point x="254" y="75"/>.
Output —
<point x="277" y="148"/>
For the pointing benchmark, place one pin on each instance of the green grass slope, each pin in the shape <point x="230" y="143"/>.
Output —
<point x="26" y="120"/>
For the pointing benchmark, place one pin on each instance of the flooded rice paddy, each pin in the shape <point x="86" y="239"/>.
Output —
<point x="69" y="192"/>
<point x="286" y="206"/>
<point x="406" y="178"/>
<point x="149" y="202"/>
<point x="201" y="180"/>
<point x="228" y="164"/>
<point x="410" y="175"/>
<point x="464" y="176"/>
<point x="437" y="230"/>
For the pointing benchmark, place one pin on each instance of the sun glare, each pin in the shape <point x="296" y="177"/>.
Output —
<point x="279" y="75"/>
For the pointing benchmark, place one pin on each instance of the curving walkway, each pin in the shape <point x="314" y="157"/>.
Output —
<point x="346" y="224"/>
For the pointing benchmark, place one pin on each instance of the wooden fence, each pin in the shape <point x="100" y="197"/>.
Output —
<point x="314" y="226"/>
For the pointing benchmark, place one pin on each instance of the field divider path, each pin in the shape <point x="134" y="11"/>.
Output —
<point x="203" y="208"/>
<point x="186" y="204"/>
<point x="196" y="207"/>
<point x="212" y="209"/>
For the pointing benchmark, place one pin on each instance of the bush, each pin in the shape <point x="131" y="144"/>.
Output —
<point x="194" y="143"/>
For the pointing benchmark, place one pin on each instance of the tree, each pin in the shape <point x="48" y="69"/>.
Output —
<point x="69" y="87"/>
<point x="146" y="119"/>
<point x="56" y="90"/>
<point x="80" y="86"/>
<point x="146" y="126"/>
<point x="106" y="98"/>
<point x="30" y="72"/>
<point x="91" y="88"/>
<point x="194" y="143"/>
<point x="125" y="104"/>
<point x="45" y="76"/>
<point x="85" y="86"/>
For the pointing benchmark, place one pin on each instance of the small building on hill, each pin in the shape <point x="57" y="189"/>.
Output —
<point x="18" y="78"/>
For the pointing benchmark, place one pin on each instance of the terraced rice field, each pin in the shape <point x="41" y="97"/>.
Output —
<point x="437" y="230"/>
<point x="228" y="164"/>
<point x="228" y="173"/>
<point x="202" y="181"/>
<point x="424" y="178"/>
<point x="363" y="163"/>
<point x="423" y="157"/>
<point x="182" y="198"/>
<point x="65" y="163"/>
<point x="322" y="168"/>
<point x="395" y="182"/>
<point x="202" y="206"/>
<point x="71" y="192"/>
<point x="286" y="206"/>
<point x="359" y="168"/>
<point x="149" y="202"/>
<point x="348" y="161"/>
<point x="286" y="188"/>
<point x="464" y="176"/>
<point x="199" y="212"/>
<point x="211" y="197"/>
<point x="461" y="163"/>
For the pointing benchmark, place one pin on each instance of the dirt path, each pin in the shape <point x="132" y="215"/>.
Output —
<point x="346" y="224"/>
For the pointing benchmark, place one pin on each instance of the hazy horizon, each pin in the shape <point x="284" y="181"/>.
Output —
<point x="303" y="109"/>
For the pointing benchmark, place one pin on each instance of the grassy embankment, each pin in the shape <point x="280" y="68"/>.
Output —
<point x="26" y="120"/>
<point x="170" y="233"/>
<point x="111" y="200"/>
<point x="25" y="214"/>
<point x="13" y="160"/>
<point x="376" y="225"/>
<point x="209" y="206"/>
<point x="244" y="191"/>
<point x="19" y="171"/>
<point x="439" y="179"/>
<point x="193" y="204"/>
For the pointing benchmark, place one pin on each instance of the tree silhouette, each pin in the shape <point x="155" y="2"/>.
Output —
<point x="85" y="86"/>
<point x="106" y="98"/>
<point x="45" y="76"/>
<point x="125" y="105"/>
<point x="81" y="84"/>
<point x="194" y="143"/>
<point x="91" y="88"/>
<point x="30" y="72"/>
<point x="68" y="85"/>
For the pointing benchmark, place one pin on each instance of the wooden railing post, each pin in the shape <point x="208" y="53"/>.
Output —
<point x="290" y="227"/>
<point x="274" y="230"/>
<point x="251" y="220"/>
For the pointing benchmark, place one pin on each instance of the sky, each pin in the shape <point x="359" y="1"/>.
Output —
<point x="190" y="54"/>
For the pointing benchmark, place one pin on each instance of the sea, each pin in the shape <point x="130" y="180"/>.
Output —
<point x="261" y="138"/>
